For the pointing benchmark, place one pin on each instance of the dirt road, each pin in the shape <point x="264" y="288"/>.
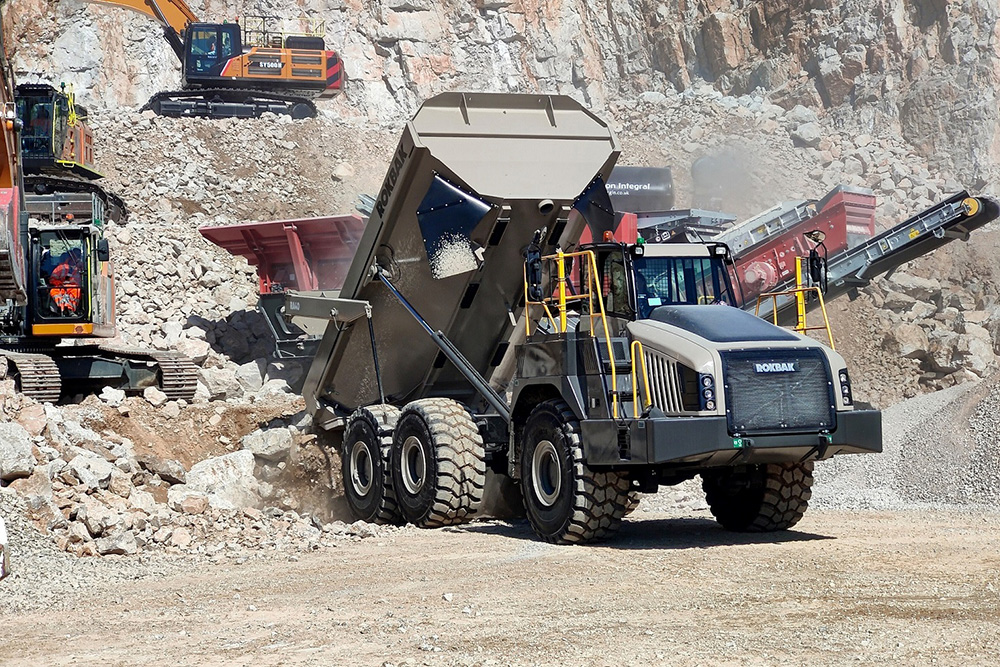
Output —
<point x="845" y="587"/>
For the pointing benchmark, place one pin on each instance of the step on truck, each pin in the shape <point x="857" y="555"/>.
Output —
<point x="472" y="333"/>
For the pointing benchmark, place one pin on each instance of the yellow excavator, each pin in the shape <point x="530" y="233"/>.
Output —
<point x="244" y="68"/>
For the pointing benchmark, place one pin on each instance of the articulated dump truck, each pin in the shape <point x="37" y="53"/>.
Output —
<point x="473" y="332"/>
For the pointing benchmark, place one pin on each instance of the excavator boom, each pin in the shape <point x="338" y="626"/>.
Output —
<point x="173" y="15"/>
<point x="170" y="13"/>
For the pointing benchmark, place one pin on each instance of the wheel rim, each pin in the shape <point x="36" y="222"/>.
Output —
<point x="362" y="468"/>
<point x="414" y="466"/>
<point x="546" y="474"/>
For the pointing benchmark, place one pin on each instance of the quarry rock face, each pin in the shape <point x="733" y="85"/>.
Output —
<point x="901" y="64"/>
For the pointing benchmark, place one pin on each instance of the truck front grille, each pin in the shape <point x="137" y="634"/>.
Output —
<point x="778" y="391"/>
<point x="673" y="387"/>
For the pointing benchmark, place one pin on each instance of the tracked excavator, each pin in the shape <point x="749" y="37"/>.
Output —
<point x="241" y="69"/>
<point x="57" y="293"/>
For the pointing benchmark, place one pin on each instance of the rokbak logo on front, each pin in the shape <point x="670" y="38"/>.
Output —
<point x="775" y="367"/>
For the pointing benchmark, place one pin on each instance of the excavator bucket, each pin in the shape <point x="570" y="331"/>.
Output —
<point x="473" y="177"/>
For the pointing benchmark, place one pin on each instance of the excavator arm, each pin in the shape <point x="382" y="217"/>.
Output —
<point x="173" y="15"/>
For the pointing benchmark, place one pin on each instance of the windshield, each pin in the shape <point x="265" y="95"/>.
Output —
<point x="661" y="281"/>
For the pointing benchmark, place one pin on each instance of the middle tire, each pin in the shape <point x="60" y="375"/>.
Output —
<point x="365" y="464"/>
<point x="567" y="502"/>
<point x="438" y="463"/>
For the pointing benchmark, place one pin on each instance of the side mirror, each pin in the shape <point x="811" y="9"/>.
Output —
<point x="103" y="251"/>
<point x="533" y="267"/>
<point x="817" y="269"/>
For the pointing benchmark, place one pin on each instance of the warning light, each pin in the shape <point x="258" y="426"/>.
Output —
<point x="609" y="236"/>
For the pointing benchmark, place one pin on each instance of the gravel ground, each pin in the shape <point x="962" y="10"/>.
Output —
<point x="858" y="587"/>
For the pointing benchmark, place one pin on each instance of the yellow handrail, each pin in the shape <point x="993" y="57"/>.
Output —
<point x="799" y="293"/>
<point x="637" y="353"/>
<point x="563" y="298"/>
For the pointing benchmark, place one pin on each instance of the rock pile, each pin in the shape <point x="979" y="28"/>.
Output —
<point x="98" y="493"/>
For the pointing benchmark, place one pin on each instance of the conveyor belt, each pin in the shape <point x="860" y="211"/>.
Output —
<point x="954" y="218"/>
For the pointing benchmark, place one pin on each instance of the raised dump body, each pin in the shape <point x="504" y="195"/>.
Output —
<point x="473" y="176"/>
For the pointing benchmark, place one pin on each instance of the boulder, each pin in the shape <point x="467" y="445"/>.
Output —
<point x="16" y="458"/>
<point x="908" y="340"/>
<point x="97" y="517"/>
<point x="220" y="383"/>
<point x="180" y="538"/>
<point x="807" y="135"/>
<point x="269" y="444"/>
<point x="121" y="543"/>
<point x="180" y="498"/>
<point x="194" y="349"/>
<point x="922" y="289"/>
<point x="154" y="396"/>
<point x="227" y="480"/>
<point x="32" y="418"/>
<point x="91" y="470"/>
<point x="112" y="396"/>
<point x="249" y="376"/>
<point x="169" y="470"/>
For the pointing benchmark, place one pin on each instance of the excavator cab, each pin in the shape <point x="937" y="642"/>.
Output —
<point x="69" y="266"/>
<point x="208" y="47"/>
<point x="55" y="137"/>
<point x="37" y="108"/>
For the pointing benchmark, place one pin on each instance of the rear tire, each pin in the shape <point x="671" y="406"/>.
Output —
<point x="438" y="463"/>
<point x="566" y="501"/>
<point x="761" y="498"/>
<point x="365" y="464"/>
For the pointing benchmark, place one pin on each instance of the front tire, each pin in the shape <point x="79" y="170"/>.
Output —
<point x="365" y="464"/>
<point x="759" y="499"/>
<point x="566" y="501"/>
<point x="438" y="463"/>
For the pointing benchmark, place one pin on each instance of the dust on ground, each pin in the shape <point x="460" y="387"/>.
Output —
<point x="866" y="587"/>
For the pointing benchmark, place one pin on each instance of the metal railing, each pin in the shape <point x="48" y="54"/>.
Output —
<point x="588" y="270"/>
<point x="637" y="353"/>
<point x="264" y="31"/>
<point x="799" y="292"/>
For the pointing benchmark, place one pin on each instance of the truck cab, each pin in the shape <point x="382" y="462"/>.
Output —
<point x="661" y="378"/>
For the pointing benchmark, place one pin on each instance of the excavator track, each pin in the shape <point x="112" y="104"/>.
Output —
<point x="178" y="374"/>
<point x="229" y="103"/>
<point x="37" y="375"/>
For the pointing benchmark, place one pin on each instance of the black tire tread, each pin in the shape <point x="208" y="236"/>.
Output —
<point x="382" y="419"/>
<point x="460" y="462"/>
<point x="778" y="505"/>
<point x="600" y="499"/>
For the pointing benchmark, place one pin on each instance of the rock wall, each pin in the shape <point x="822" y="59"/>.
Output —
<point x="925" y="69"/>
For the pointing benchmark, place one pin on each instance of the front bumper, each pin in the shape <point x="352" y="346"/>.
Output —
<point x="706" y="441"/>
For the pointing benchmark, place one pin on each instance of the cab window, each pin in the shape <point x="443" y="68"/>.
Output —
<point x="662" y="281"/>
<point x="205" y="43"/>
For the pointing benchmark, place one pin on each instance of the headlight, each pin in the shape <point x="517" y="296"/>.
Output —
<point x="707" y="398"/>
<point x="845" y="387"/>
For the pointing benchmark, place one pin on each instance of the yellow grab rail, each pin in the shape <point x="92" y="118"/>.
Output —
<point x="799" y="292"/>
<point x="637" y="353"/>
<point x="563" y="297"/>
